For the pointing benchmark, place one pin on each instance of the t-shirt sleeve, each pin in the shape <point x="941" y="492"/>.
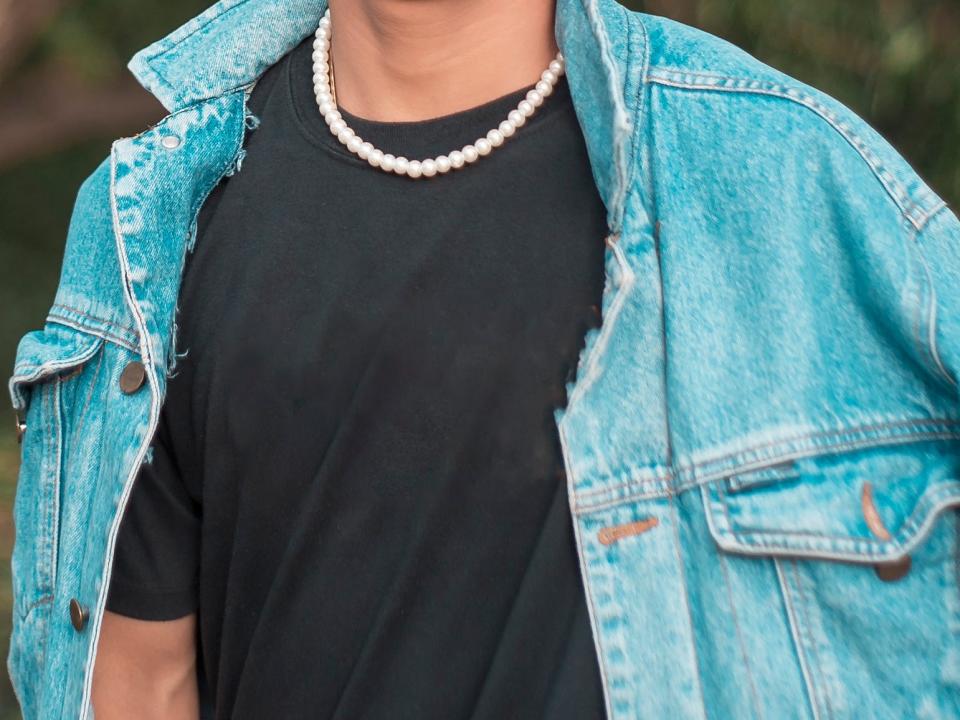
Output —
<point x="156" y="563"/>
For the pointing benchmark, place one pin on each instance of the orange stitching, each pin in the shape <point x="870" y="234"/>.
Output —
<point x="610" y="535"/>
<point x="871" y="514"/>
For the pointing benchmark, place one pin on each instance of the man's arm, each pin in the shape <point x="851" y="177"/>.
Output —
<point x="146" y="669"/>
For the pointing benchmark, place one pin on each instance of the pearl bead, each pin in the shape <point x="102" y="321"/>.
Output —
<point x="525" y="108"/>
<point x="495" y="137"/>
<point x="483" y="146"/>
<point x="320" y="56"/>
<point x="389" y="162"/>
<point x="443" y="164"/>
<point x="344" y="135"/>
<point x="354" y="144"/>
<point x="507" y="128"/>
<point x="402" y="166"/>
<point x="429" y="168"/>
<point x="337" y="125"/>
<point x="535" y="98"/>
<point x="332" y="116"/>
<point x="324" y="97"/>
<point x="544" y="88"/>
<point x="325" y="107"/>
<point x="318" y="43"/>
<point x="516" y="118"/>
<point x="364" y="150"/>
<point x="415" y="169"/>
<point x="549" y="76"/>
<point x="456" y="159"/>
<point x="556" y="67"/>
<point x="470" y="153"/>
<point x="375" y="157"/>
<point x="320" y="68"/>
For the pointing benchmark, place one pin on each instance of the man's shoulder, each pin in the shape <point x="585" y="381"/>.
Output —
<point x="758" y="112"/>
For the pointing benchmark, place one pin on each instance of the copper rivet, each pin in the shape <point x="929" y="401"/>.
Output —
<point x="133" y="377"/>
<point x="612" y="534"/>
<point x="871" y="514"/>
<point x="893" y="571"/>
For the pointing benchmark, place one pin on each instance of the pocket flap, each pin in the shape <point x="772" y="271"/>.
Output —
<point x="870" y="505"/>
<point x="44" y="353"/>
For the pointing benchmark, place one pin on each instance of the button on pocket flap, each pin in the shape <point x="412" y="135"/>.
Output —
<point x="867" y="505"/>
<point x="42" y="354"/>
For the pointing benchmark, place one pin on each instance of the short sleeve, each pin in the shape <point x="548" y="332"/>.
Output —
<point x="156" y="563"/>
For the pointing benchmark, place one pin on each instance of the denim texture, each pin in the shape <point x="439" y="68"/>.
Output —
<point x="768" y="412"/>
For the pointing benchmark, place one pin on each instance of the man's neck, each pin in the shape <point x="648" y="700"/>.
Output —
<point x="404" y="60"/>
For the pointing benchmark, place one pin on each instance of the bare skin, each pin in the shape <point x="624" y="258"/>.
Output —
<point x="394" y="60"/>
<point x="146" y="670"/>
<point x="405" y="60"/>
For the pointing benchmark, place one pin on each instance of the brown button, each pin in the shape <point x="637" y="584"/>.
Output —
<point x="893" y="571"/>
<point x="133" y="377"/>
<point x="79" y="615"/>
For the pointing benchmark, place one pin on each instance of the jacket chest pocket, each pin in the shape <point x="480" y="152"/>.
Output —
<point x="863" y="547"/>
<point x="50" y="366"/>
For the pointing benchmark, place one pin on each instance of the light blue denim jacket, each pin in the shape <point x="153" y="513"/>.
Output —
<point x="762" y="439"/>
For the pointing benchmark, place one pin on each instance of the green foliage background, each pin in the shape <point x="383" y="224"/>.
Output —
<point x="895" y="62"/>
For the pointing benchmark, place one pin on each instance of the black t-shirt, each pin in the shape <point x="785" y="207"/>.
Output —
<point x="357" y="480"/>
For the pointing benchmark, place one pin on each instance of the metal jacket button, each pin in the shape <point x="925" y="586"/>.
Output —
<point x="893" y="571"/>
<point x="79" y="615"/>
<point x="21" y="427"/>
<point x="133" y="377"/>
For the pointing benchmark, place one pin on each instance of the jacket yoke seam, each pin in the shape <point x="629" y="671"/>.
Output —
<point x="910" y="208"/>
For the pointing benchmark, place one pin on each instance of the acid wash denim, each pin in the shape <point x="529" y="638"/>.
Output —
<point x="762" y="440"/>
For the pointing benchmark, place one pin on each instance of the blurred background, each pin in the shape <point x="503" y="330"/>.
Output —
<point x="65" y="95"/>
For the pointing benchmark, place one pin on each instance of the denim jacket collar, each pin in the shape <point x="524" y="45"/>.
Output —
<point x="189" y="66"/>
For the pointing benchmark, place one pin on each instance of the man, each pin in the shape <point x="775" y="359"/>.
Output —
<point x="309" y="417"/>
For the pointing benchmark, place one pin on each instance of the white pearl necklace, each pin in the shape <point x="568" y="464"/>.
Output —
<point x="429" y="167"/>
